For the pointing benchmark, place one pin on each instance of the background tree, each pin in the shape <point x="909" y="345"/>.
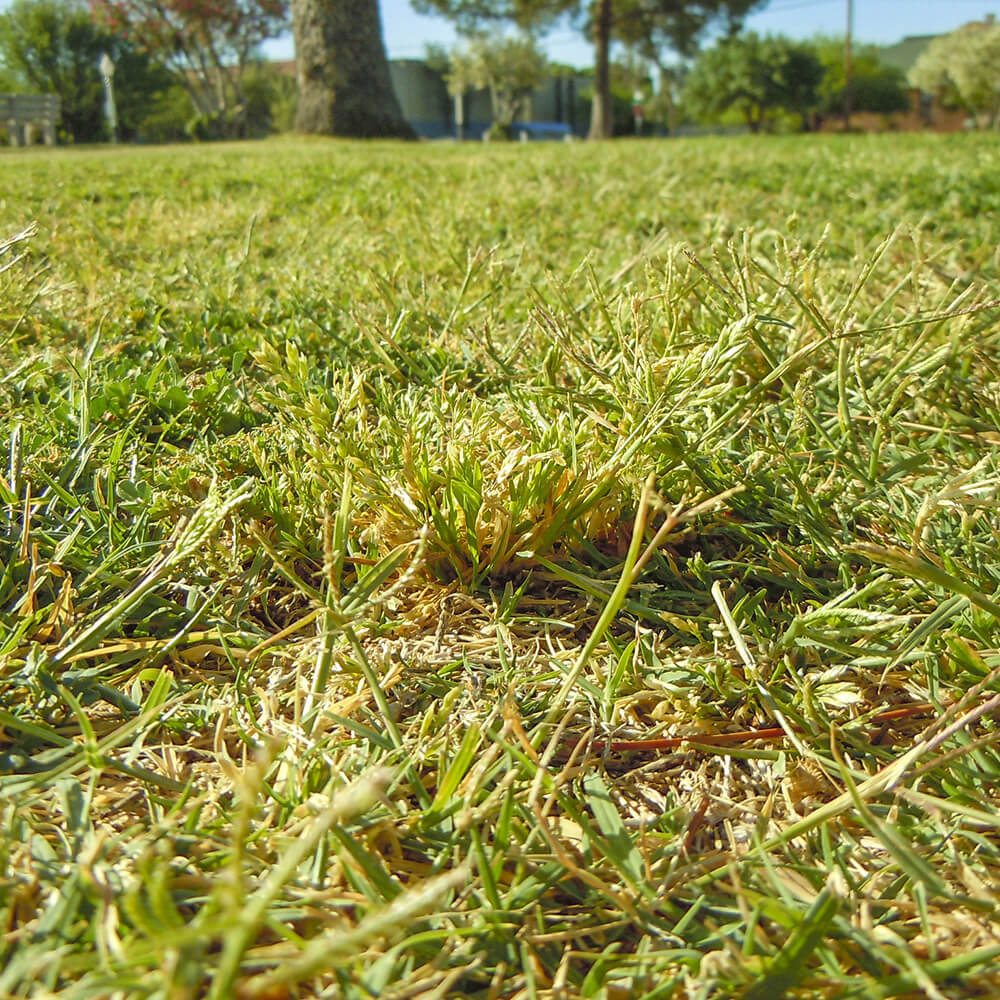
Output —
<point x="510" y="67"/>
<point x="660" y="25"/>
<point x="875" y="86"/>
<point x="668" y="32"/>
<point x="963" y="68"/>
<point x="271" y="99"/>
<point x="342" y="71"/>
<point x="206" y="44"/>
<point x="755" y="76"/>
<point x="53" y="46"/>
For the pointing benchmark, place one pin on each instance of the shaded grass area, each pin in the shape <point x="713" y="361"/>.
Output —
<point x="363" y="502"/>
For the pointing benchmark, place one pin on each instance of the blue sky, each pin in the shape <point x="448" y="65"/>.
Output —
<point x="882" y="21"/>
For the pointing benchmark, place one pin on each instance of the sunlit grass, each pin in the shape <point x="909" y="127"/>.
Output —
<point x="358" y="501"/>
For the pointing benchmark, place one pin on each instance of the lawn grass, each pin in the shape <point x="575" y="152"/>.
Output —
<point x="366" y="507"/>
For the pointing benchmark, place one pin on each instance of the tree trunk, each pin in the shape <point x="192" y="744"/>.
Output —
<point x="601" y="122"/>
<point x="342" y="71"/>
<point x="667" y="92"/>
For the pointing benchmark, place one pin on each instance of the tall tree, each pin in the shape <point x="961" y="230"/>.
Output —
<point x="342" y="70"/>
<point x="656" y="24"/>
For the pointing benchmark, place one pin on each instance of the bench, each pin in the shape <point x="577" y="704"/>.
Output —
<point x="22" y="113"/>
<point x="533" y="131"/>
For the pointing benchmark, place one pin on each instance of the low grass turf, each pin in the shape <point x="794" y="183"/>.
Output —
<point x="363" y="507"/>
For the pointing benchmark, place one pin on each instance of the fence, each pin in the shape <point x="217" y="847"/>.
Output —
<point x="21" y="114"/>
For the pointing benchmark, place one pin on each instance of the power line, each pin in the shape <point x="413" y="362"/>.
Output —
<point x="798" y="6"/>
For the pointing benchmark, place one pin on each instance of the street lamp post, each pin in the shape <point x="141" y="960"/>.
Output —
<point x="107" y="68"/>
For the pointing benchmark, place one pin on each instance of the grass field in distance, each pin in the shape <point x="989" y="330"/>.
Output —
<point x="362" y="505"/>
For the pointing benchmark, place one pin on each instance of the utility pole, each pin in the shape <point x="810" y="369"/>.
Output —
<point x="847" y="65"/>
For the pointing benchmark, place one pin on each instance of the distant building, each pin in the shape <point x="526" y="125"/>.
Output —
<point x="424" y="98"/>
<point x="905" y="53"/>
<point x="434" y="114"/>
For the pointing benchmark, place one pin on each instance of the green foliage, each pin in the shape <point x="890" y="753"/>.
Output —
<point x="510" y="67"/>
<point x="53" y="46"/>
<point x="659" y="25"/>
<point x="269" y="97"/>
<point x="141" y="84"/>
<point x="472" y="16"/>
<point x="964" y="68"/>
<point x="875" y="86"/>
<point x="168" y="116"/>
<point x="662" y="30"/>
<point x="206" y="46"/>
<point x="756" y="77"/>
